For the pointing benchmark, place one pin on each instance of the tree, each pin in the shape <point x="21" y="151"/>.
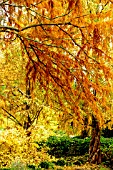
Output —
<point x="16" y="94"/>
<point x="68" y="46"/>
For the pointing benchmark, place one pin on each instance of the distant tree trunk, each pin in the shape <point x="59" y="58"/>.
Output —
<point x="94" y="148"/>
<point x="85" y="131"/>
<point x="28" y="122"/>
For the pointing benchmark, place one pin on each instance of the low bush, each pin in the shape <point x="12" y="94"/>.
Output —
<point x="66" y="146"/>
<point x="60" y="162"/>
<point x="46" y="165"/>
<point x="17" y="149"/>
<point x="59" y="146"/>
<point x="41" y="144"/>
<point x="31" y="167"/>
<point x="107" y="151"/>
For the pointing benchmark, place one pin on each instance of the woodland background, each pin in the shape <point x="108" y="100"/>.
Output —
<point x="56" y="84"/>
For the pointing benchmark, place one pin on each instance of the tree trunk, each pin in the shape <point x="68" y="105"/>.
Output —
<point x="28" y="122"/>
<point x="94" y="148"/>
<point x="85" y="131"/>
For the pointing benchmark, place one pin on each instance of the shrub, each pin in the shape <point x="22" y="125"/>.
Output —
<point x="46" y="165"/>
<point x="81" y="146"/>
<point x="59" y="146"/>
<point x="16" y="146"/>
<point x="66" y="146"/>
<point x="31" y="167"/>
<point x="41" y="144"/>
<point x="107" y="151"/>
<point x="60" y="162"/>
<point x="106" y="143"/>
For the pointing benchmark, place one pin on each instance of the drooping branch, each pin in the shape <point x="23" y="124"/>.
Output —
<point x="12" y="117"/>
<point x="4" y="28"/>
<point x="48" y="24"/>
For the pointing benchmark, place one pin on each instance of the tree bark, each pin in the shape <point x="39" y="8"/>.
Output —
<point x="85" y="131"/>
<point x="28" y="122"/>
<point x="94" y="148"/>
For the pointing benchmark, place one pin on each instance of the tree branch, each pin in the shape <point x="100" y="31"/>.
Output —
<point x="9" y="28"/>
<point x="50" y="24"/>
<point x="12" y="117"/>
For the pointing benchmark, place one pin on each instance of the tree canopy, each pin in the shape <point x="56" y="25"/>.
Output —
<point x="65" y="49"/>
<point x="68" y="50"/>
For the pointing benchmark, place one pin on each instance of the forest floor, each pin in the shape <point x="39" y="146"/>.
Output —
<point x="83" y="167"/>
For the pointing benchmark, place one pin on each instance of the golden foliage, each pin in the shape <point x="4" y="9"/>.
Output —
<point x="66" y="44"/>
<point x="65" y="53"/>
<point x="16" y="146"/>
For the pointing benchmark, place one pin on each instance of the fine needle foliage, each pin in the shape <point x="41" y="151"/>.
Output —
<point x="67" y="46"/>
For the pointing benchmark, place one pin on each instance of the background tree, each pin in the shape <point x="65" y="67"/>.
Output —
<point x="68" y="46"/>
<point x="16" y="103"/>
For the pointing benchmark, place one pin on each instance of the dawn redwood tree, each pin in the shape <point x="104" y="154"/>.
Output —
<point x="68" y="45"/>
